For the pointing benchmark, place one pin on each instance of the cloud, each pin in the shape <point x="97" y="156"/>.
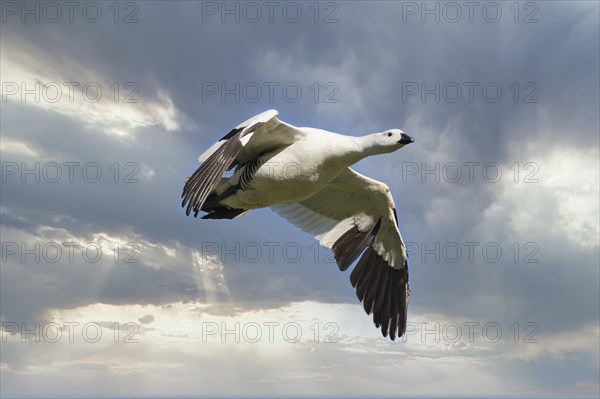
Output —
<point x="37" y="77"/>
<point x="321" y="342"/>
<point x="92" y="267"/>
<point x="18" y="147"/>
<point x="146" y="319"/>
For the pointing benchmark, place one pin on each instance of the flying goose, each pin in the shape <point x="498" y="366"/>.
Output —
<point x="304" y="175"/>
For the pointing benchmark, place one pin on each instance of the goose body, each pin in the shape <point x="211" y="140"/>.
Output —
<point x="293" y="174"/>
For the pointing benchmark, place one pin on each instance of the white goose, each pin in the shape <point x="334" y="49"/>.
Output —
<point x="304" y="175"/>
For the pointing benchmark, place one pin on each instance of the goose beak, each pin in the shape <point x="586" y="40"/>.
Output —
<point x="406" y="139"/>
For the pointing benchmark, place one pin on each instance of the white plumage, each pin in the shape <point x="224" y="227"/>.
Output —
<point x="304" y="175"/>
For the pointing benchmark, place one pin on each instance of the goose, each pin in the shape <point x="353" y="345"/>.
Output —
<point x="304" y="175"/>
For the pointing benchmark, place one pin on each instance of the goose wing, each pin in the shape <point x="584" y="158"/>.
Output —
<point x="259" y="134"/>
<point x="349" y="215"/>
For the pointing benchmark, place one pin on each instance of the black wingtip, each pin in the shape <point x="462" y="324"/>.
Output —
<point x="206" y="178"/>
<point x="349" y="246"/>
<point x="381" y="288"/>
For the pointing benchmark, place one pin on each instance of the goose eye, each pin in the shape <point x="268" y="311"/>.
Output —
<point x="390" y="134"/>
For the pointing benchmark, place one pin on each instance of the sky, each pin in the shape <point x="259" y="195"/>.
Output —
<point x="107" y="288"/>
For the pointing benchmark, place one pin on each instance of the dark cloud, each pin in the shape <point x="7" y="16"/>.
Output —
<point x="146" y="319"/>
